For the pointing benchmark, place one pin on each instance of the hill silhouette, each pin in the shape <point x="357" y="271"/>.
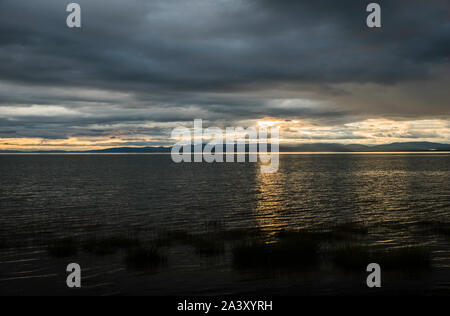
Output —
<point x="313" y="147"/>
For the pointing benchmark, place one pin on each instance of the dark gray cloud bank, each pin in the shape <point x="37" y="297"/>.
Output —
<point x="139" y="62"/>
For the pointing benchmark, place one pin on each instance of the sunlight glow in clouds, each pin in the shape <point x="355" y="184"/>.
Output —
<point x="309" y="67"/>
<point x="371" y="131"/>
<point x="71" y="144"/>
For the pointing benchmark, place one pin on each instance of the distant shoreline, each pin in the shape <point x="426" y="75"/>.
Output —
<point x="281" y="153"/>
<point x="310" y="148"/>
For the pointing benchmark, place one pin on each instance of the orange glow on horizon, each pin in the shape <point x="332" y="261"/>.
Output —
<point x="292" y="132"/>
<point x="72" y="143"/>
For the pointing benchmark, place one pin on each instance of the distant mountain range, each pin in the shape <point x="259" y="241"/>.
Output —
<point x="317" y="147"/>
<point x="394" y="147"/>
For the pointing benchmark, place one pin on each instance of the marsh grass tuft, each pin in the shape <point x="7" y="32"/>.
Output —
<point x="207" y="245"/>
<point x="3" y="243"/>
<point x="357" y="257"/>
<point x="214" y="226"/>
<point x="63" y="248"/>
<point x="312" y="235"/>
<point x="351" y="256"/>
<point x="239" y="234"/>
<point x="406" y="258"/>
<point x="350" y="228"/>
<point x="169" y="238"/>
<point x="110" y="245"/>
<point x="145" y="258"/>
<point x="285" y="254"/>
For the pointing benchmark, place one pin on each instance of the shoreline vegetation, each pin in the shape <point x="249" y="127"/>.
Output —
<point x="344" y="246"/>
<point x="341" y="250"/>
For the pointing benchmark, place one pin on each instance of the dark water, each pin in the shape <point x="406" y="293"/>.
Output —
<point x="43" y="198"/>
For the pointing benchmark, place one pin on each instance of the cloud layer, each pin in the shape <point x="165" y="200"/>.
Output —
<point x="138" y="68"/>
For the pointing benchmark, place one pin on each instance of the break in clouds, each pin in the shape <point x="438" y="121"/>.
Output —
<point x="138" y="68"/>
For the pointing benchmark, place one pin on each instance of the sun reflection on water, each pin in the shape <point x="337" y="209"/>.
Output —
<point x="270" y="201"/>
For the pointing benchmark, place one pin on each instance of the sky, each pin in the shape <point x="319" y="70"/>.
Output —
<point x="137" y="69"/>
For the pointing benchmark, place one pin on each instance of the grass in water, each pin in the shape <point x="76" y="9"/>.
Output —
<point x="169" y="238"/>
<point x="285" y="254"/>
<point x="349" y="228"/>
<point x="145" y="258"/>
<point x="351" y="256"/>
<point x="3" y="243"/>
<point x="63" y="248"/>
<point x="357" y="257"/>
<point x="407" y="258"/>
<point x="110" y="245"/>
<point x="207" y="246"/>
<point x="239" y="234"/>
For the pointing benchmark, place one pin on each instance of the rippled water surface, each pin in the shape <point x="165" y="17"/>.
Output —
<point x="45" y="197"/>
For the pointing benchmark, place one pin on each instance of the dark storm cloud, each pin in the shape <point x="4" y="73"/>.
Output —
<point x="172" y="60"/>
